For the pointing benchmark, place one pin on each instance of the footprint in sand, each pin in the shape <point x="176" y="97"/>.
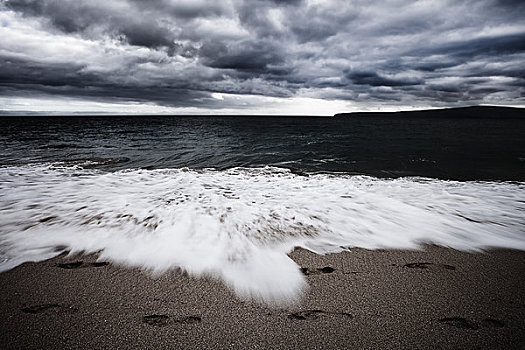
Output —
<point x="162" y="320"/>
<point x="71" y="265"/>
<point x="98" y="264"/>
<point x="156" y="320"/>
<point x="305" y="315"/>
<point x="36" y="309"/>
<point x="426" y="265"/>
<point x="81" y="264"/>
<point x="314" y="314"/>
<point x="326" y="269"/>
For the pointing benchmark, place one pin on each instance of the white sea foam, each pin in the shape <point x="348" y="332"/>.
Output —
<point x="239" y="224"/>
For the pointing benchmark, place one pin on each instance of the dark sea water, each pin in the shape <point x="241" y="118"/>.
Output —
<point x="231" y="196"/>
<point x="445" y="148"/>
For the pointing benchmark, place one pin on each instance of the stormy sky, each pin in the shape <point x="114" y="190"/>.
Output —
<point x="259" y="56"/>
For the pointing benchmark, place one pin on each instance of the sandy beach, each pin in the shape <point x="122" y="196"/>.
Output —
<point x="437" y="298"/>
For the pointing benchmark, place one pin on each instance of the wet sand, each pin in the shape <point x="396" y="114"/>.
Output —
<point x="437" y="298"/>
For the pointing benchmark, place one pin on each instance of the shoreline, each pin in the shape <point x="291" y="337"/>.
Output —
<point x="431" y="298"/>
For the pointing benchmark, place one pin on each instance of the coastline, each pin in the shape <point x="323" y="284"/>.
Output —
<point x="431" y="298"/>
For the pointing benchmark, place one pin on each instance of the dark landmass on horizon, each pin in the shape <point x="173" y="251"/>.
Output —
<point x="459" y="112"/>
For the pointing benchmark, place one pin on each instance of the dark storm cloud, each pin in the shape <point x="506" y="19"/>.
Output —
<point x="183" y="9"/>
<point x="512" y="4"/>
<point x="375" y="79"/>
<point x="491" y="46"/>
<point x="29" y="72"/>
<point x="244" y="56"/>
<point x="83" y="17"/>
<point x="180" y="52"/>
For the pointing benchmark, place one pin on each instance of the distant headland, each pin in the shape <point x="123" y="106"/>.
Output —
<point x="461" y="112"/>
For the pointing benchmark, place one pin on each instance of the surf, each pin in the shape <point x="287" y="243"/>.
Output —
<point x="239" y="224"/>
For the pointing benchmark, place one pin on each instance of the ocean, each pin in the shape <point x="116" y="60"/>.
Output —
<point x="231" y="196"/>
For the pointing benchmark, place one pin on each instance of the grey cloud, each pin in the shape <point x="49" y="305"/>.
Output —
<point x="433" y="66"/>
<point x="185" y="9"/>
<point x="487" y="46"/>
<point x="146" y="35"/>
<point x="314" y="29"/>
<point x="375" y="79"/>
<point x="65" y="15"/>
<point x="513" y="5"/>
<point x="244" y="56"/>
<point x="286" y="2"/>
<point x="178" y="52"/>
<point x="22" y="72"/>
<point x="129" y="23"/>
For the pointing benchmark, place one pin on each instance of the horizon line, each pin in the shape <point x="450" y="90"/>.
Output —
<point x="105" y="114"/>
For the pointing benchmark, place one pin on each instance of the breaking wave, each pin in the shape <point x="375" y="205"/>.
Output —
<point x="239" y="224"/>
